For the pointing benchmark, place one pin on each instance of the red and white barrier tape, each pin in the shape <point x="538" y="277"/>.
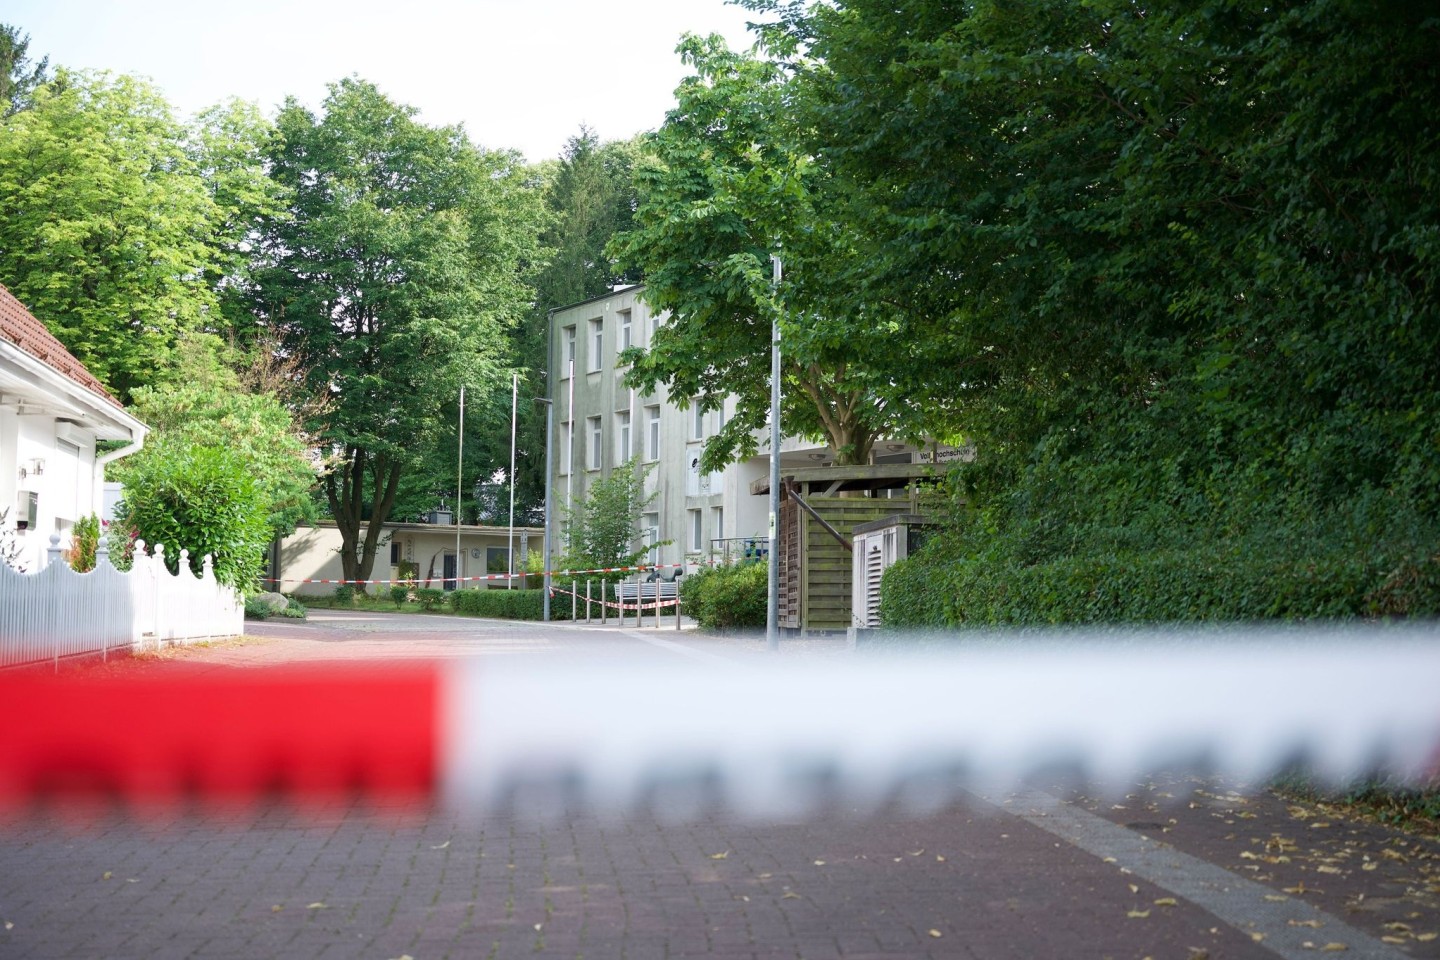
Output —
<point x="607" y="735"/>
<point x="618" y="605"/>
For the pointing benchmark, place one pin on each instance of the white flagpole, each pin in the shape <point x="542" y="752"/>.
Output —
<point x="514" y="408"/>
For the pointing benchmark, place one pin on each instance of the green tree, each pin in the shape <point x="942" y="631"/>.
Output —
<point x="106" y="224"/>
<point x="212" y="407"/>
<point x="732" y="183"/>
<point x="391" y="279"/>
<point x="202" y="499"/>
<point x="19" y="76"/>
<point x="603" y="525"/>
<point x="1176" y="265"/>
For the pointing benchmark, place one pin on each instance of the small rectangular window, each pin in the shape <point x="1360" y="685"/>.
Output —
<point x="595" y="440"/>
<point x="696" y="531"/>
<point x="652" y="433"/>
<point x="697" y="421"/>
<point x="597" y="343"/>
<point x="568" y="360"/>
<point x="651" y="531"/>
<point x="717" y="524"/>
<point x="622" y="432"/>
<point x="626" y="334"/>
<point x="394" y="552"/>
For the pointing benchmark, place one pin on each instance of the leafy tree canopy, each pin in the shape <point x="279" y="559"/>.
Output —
<point x="116" y="227"/>
<point x="391" y="279"/>
<point x="733" y="182"/>
<point x="19" y="75"/>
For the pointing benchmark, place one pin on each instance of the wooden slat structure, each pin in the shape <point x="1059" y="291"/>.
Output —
<point x="815" y="563"/>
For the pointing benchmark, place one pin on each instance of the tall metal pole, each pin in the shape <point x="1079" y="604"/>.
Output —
<point x="514" y="413"/>
<point x="772" y="604"/>
<point x="459" y="470"/>
<point x="549" y="432"/>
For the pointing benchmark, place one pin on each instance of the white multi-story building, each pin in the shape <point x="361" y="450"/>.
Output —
<point x="600" y="423"/>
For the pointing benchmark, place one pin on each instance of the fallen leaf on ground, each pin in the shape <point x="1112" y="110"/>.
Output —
<point x="1426" y="937"/>
<point x="719" y="856"/>
<point x="1257" y="936"/>
<point x="819" y="863"/>
<point x="916" y="853"/>
<point x="276" y="908"/>
<point x="939" y="859"/>
<point x="317" y="905"/>
<point x="787" y="895"/>
<point x="1138" y="914"/>
<point x="1275" y="898"/>
<point x="1333" y="948"/>
<point x="1369" y="865"/>
<point x="1167" y="902"/>
<point x="441" y="846"/>
<point x="1326" y="868"/>
<point x="936" y="934"/>
<point x="1391" y="938"/>
<point x="1304" y="923"/>
<point x="9" y="925"/>
<point x="107" y="875"/>
<point x="1134" y="888"/>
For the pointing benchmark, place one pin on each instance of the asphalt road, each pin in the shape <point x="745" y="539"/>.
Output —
<point x="1175" y="867"/>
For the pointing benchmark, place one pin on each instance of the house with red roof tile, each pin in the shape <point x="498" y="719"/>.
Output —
<point x="52" y="413"/>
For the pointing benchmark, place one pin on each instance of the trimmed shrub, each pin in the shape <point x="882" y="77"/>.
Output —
<point x="399" y="593"/>
<point x="506" y="604"/>
<point x="429" y="598"/>
<point x="727" y="597"/>
<point x="345" y="595"/>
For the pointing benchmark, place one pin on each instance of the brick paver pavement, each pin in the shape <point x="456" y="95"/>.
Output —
<point x="981" y="879"/>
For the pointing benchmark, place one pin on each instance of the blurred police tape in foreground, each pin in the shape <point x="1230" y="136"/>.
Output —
<point x="759" y="736"/>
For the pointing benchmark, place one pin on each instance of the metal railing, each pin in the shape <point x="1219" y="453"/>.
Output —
<point x="739" y="549"/>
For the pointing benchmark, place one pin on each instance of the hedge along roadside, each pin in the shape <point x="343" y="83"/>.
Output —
<point x="727" y="597"/>
<point x="505" y="604"/>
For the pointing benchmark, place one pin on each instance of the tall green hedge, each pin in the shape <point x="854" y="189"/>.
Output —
<point x="1246" y="579"/>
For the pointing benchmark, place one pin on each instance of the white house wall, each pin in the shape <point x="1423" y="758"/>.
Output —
<point x="65" y="487"/>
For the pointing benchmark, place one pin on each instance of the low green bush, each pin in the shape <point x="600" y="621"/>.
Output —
<point x="727" y="597"/>
<point x="257" y="609"/>
<point x="429" y="598"/>
<point x="344" y="595"/>
<point x="399" y="593"/>
<point x="506" y="604"/>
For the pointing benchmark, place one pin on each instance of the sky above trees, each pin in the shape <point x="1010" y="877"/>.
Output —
<point x="520" y="74"/>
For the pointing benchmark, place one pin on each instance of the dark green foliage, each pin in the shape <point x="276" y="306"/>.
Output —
<point x="429" y="598"/>
<point x="257" y="609"/>
<point x="727" y="597"/>
<point x="1175" y="269"/>
<point x="506" y="604"/>
<point x="345" y="595"/>
<point x="399" y="593"/>
<point x="201" y="499"/>
<point x="19" y="75"/>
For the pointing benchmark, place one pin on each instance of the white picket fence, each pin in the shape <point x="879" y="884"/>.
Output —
<point x="57" y="613"/>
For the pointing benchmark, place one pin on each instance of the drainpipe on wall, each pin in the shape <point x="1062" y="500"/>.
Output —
<point x="97" y="485"/>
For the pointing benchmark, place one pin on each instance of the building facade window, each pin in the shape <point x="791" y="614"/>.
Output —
<point x="650" y="530"/>
<point x="654" y="326"/>
<point x="652" y="433"/>
<point x="597" y="343"/>
<point x="622" y="436"/>
<point x="697" y="532"/>
<point x="568" y="360"/>
<point x="626" y="331"/>
<point x="717" y="523"/>
<point x="596" y="438"/>
<point x="697" y="421"/>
